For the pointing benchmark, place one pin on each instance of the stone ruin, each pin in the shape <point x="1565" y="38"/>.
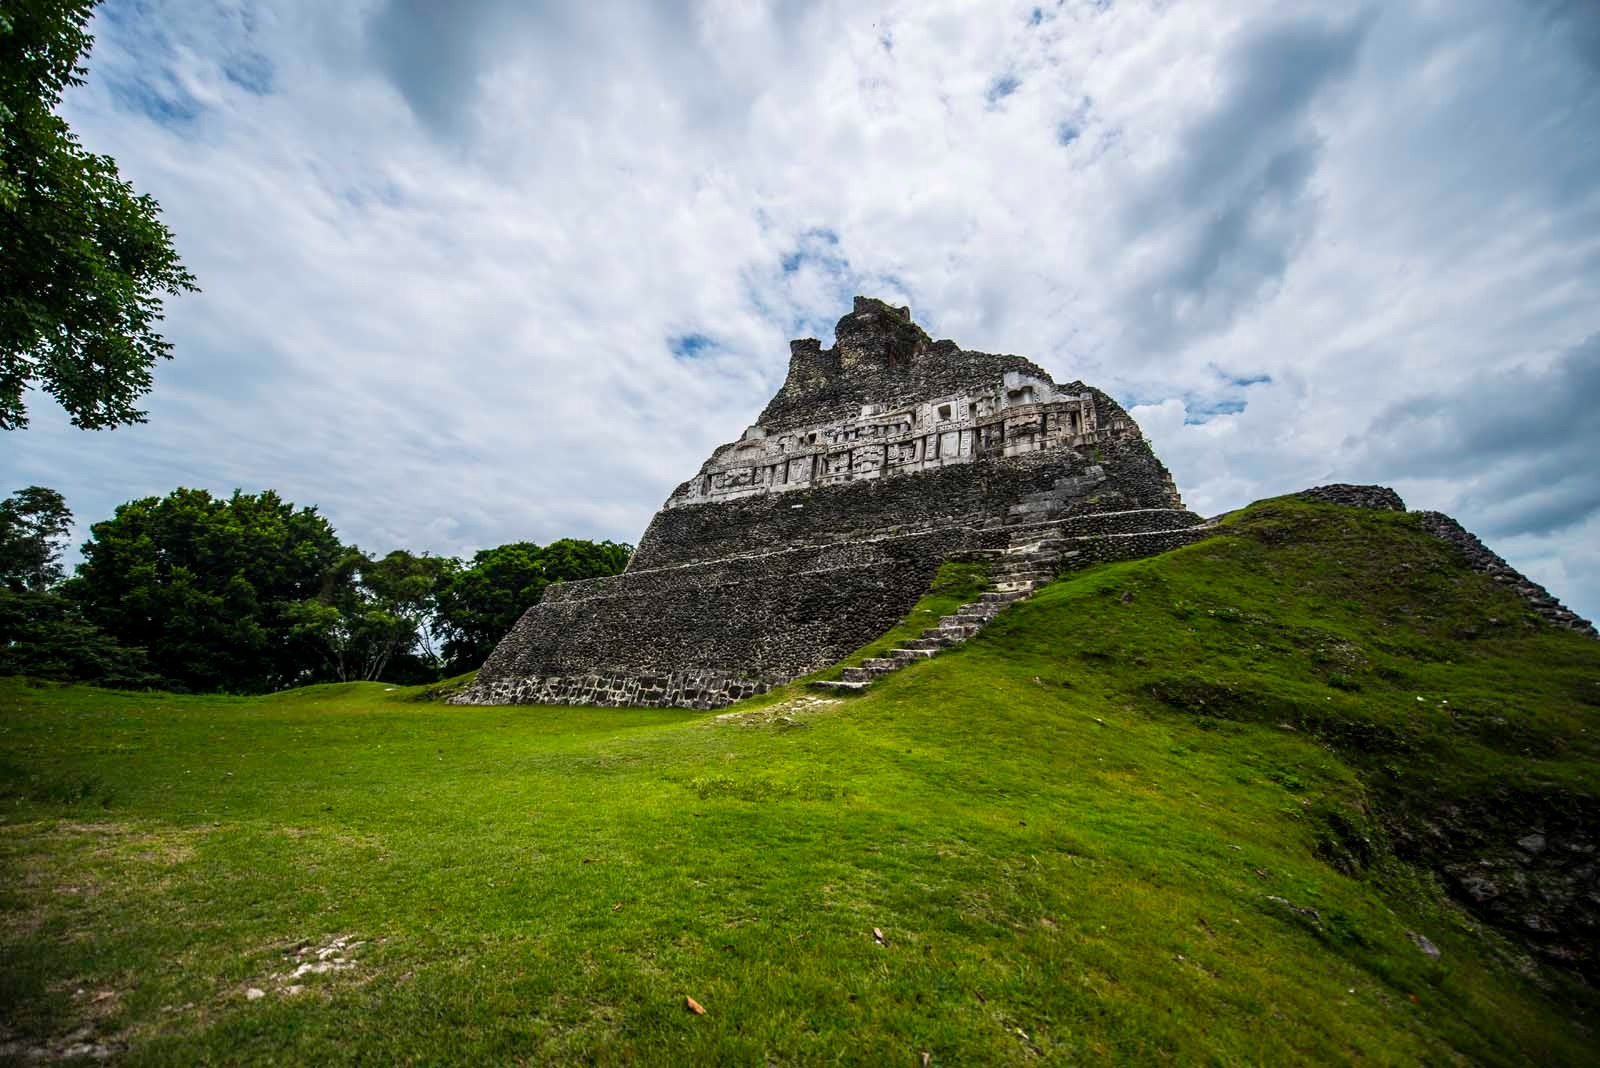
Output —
<point x="820" y="528"/>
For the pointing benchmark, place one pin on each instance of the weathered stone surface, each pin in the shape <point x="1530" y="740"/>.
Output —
<point x="1481" y="558"/>
<point x="1378" y="498"/>
<point x="823" y="524"/>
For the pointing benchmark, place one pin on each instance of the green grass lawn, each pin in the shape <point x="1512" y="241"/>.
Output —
<point x="1098" y="833"/>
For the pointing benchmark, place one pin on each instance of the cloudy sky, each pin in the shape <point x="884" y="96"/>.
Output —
<point x="486" y="271"/>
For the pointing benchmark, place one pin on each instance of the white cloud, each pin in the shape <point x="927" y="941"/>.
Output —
<point x="446" y="261"/>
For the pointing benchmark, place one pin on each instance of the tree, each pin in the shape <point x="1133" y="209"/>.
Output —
<point x="405" y="588"/>
<point x="377" y="618"/>
<point x="83" y="258"/>
<point x="32" y="523"/>
<point x="478" y="604"/>
<point x="42" y="633"/>
<point x="211" y="587"/>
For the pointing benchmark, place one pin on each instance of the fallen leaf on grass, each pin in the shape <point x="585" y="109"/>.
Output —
<point x="877" y="936"/>
<point x="693" y="1006"/>
<point x="617" y="907"/>
<point x="927" y="1058"/>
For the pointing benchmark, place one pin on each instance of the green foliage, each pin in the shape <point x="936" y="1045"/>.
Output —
<point x="83" y="258"/>
<point x="251" y="594"/>
<point x="480" y="602"/>
<point x="373" y="613"/>
<point x="33" y="523"/>
<point x="212" y="588"/>
<point x="44" y="636"/>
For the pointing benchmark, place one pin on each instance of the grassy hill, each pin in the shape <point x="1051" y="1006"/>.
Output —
<point x="1270" y="799"/>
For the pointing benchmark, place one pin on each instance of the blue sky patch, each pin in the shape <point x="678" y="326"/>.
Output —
<point x="818" y="246"/>
<point x="1002" y="87"/>
<point x="1067" y="133"/>
<point x="169" y="104"/>
<point x="250" y="71"/>
<point x="1246" y="380"/>
<point x="1197" y="412"/>
<point x="690" y="346"/>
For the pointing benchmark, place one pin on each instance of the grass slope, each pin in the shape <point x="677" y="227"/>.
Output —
<point x="1090" y="835"/>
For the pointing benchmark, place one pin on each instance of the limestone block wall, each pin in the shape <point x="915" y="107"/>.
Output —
<point x="1116" y="475"/>
<point x="724" y="626"/>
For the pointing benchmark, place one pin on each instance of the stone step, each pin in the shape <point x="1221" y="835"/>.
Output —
<point x="1024" y="561"/>
<point x="997" y="597"/>
<point x="880" y="664"/>
<point x="934" y="644"/>
<point x="1021" y="565"/>
<point x="954" y="632"/>
<point x="976" y="613"/>
<point x="857" y="674"/>
<point x="836" y="684"/>
<point x="911" y="654"/>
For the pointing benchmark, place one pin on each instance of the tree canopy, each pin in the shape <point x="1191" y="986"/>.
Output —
<point x="84" y="259"/>
<point x="42" y="633"/>
<point x="249" y="593"/>
<point x="33" y="522"/>
<point x="210" y="587"/>
<point x="375" y="619"/>
<point x="479" y="603"/>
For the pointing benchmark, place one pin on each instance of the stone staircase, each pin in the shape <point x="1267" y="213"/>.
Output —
<point x="1028" y="563"/>
<point x="1035" y="556"/>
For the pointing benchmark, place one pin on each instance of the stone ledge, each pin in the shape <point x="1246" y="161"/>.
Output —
<point x="1485" y="561"/>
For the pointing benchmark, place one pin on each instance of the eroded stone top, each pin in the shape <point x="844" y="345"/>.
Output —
<point x="880" y="357"/>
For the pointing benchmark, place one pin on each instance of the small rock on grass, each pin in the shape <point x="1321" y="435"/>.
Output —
<point x="1425" y="944"/>
<point x="254" y="993"/>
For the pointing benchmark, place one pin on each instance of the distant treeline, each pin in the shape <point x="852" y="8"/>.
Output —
<point x="250" y="594"/>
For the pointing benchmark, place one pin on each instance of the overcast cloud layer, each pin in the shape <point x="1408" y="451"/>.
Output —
<point x="483" y="272"/>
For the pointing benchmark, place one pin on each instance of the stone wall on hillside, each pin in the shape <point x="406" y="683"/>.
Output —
<point x="1378" y="498"/>
<point x="825" y="522"/>
<point x="1480" y="558"/>
<point x="1474" y="553"/>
